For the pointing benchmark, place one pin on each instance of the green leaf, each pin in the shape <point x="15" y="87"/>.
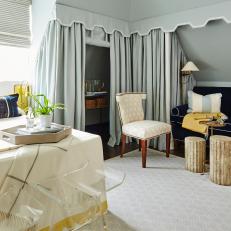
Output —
<point x="43" y="106"/>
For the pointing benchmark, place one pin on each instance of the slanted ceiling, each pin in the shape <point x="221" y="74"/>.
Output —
<point x="210" y="48"/>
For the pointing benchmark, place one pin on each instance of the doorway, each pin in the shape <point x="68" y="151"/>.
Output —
<point x="97" y="91"/>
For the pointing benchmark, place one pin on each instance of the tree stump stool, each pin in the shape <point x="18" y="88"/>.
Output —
<point x="195" y="154"/>
<point x="220" y="160"/>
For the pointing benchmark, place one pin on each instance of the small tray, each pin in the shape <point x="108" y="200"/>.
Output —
<point x="213" y="124"/>
<point x="10" y="135"/>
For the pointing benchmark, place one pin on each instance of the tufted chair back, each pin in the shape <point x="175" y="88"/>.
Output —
<point x="130" y="106"/>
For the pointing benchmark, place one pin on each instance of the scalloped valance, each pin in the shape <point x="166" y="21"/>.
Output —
<point x="67" y="15"/>
<point x="197" y="17"/>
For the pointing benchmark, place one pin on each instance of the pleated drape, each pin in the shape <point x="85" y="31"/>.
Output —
<point x="60" y="72"/>
<point x="148" y="67"/>
<point x="149" y="72"/>
<point x="121" y="81"/>
<point x="138" y="64"/>
<point x="177" y="61"/>
<point x="179" y="85"/>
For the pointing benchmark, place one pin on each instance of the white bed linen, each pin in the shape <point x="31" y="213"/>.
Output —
<point x="11" y="122"/>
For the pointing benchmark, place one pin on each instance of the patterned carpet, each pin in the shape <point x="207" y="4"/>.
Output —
<point x="165" y="197"/>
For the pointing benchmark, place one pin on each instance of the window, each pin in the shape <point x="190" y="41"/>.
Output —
<point x="14" y="64"/>
<point x="15" y="22"/>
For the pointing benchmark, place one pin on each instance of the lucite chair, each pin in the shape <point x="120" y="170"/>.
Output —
<point x="78" y="202"/>
<point x="73" y="204"/>
<point x="113" y="178"/>
<point x="19" y="210"/>
<point x="130" y="106"/>
<point x="78" y="206"/>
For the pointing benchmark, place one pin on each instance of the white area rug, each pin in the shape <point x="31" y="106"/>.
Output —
<point x="165" y="197"/>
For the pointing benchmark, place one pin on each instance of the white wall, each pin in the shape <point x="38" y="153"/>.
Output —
<point x="41" y="12"/>
<point x="7" y="88"/>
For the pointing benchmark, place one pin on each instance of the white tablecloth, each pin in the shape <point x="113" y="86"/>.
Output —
<point x="54" y="160"/>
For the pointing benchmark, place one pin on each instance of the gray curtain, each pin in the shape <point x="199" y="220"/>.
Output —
<point x="179" y="85"/>
<point x="60" y="71"/>
<point x="120" y="53"/>
<point x="148" y="65"/>
<point x="149" y="75"/>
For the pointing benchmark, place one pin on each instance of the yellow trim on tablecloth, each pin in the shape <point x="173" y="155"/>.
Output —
<point x="70" y="222"/>
<point x="193" y="121"/>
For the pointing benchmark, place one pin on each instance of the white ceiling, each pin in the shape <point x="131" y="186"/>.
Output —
<point x="113" y="8"/>
<point x="133" y="10"/>
<point x="141" y="9"/>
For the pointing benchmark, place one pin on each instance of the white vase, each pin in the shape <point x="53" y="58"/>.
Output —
<point x="45" y="121"/>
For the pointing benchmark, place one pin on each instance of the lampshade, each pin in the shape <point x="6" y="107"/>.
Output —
<point x="189" y="67"/>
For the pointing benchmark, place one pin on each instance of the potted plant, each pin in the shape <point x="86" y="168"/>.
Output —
<point x="43" y="108"/>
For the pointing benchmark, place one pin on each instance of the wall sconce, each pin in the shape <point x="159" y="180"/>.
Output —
<point x="189" y="68"/>
<point x="186" y="71"/>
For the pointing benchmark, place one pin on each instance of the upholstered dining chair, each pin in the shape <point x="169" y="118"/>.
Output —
<point x="130" y="106"/>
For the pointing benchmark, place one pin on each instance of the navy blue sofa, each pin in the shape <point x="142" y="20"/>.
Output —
<point x="179" y="112"/>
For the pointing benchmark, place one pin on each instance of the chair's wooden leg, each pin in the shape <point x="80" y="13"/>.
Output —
<point x="168" y="142"/>
<point x="144" y="152"/>
<point x="139" y="145"/>
<point x="122" y="151"/>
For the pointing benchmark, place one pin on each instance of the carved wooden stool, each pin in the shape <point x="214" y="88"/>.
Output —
<point x="195" y="153"/>
<point x="220" y="160"/>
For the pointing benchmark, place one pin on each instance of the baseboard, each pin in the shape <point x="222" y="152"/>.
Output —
<point x="213" y="84"/>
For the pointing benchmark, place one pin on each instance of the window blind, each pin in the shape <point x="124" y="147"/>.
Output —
<point x="15" y="22"/>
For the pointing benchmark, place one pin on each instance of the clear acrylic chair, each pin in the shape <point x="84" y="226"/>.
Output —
<point x="79" y="203"/>
<point x="19" y="210"/>
<point x="107" y="178"/>
<point x="73" y="204"/>
<point x="113" y="178"/>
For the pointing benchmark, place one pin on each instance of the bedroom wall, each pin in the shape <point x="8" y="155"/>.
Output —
<point x="7" y="88"/>
<point x="210" y="49"/>
<point x="41" y="12"/>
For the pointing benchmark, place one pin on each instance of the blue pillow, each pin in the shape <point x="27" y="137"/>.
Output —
<point x="8" y="106"/>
